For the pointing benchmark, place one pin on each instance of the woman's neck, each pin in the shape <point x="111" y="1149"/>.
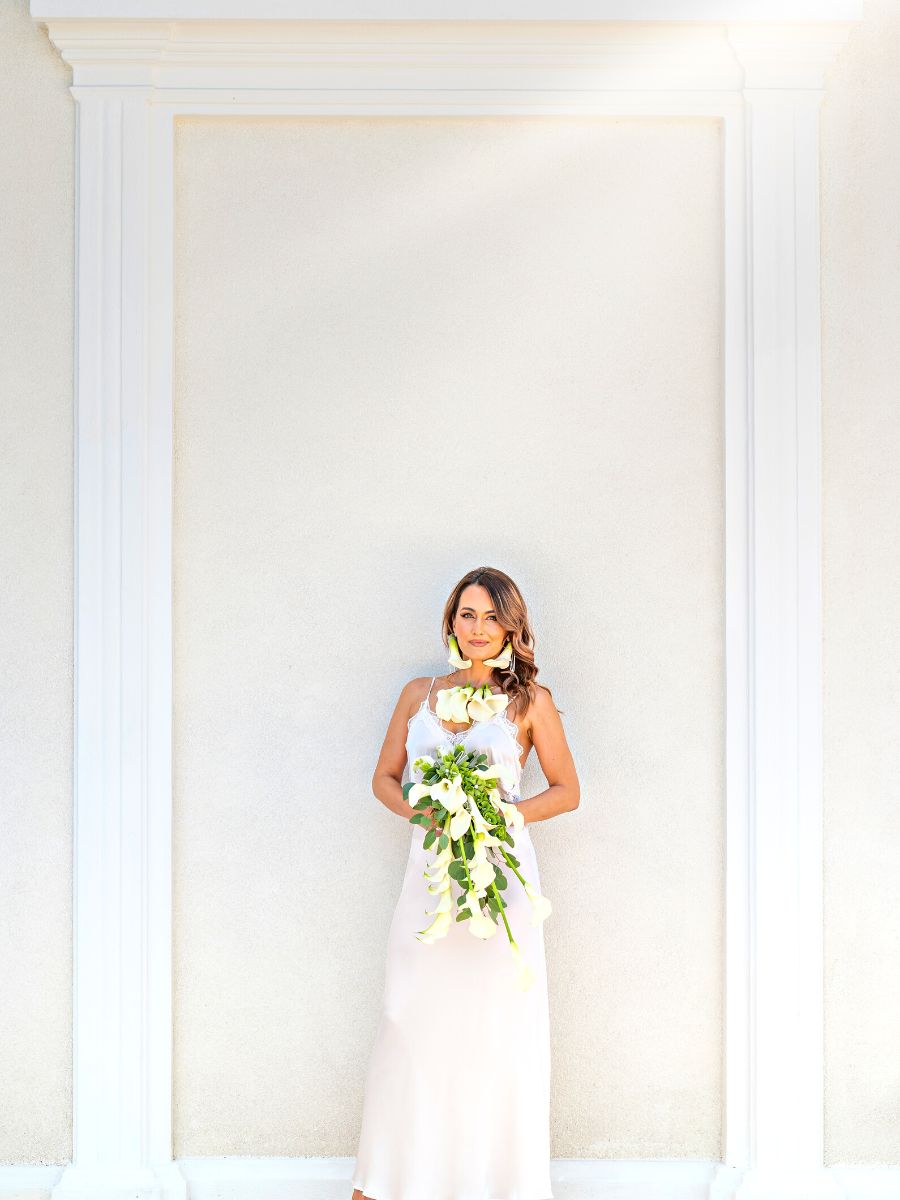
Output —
<point x="472" y="677"/>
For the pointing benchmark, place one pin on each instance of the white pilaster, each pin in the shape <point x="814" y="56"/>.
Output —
<point x="783" y="87"/>
<point x="122" y="903"/>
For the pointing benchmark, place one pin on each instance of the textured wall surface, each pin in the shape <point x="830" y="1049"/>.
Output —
<point x="861" y="368"/>
<point x="37" y="208"/>
<point x="404" y="348"/>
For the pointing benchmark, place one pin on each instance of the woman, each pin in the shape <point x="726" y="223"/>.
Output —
<point x="457" y="1096"/>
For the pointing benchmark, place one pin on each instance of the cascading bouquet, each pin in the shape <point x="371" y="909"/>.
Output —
<point x="461" y="791"/>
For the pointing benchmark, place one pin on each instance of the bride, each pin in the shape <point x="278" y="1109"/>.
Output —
<point x="457" y="1094"/>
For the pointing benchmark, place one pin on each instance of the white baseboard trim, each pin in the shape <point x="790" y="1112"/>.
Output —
<point x="252" y="1178"/>
<point x="868" y="1183"/>
<point x="27" y="1182"/>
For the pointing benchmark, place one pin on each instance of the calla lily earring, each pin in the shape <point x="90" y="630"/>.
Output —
<point x="502" y="659"/>
<point x="456" y="659"/>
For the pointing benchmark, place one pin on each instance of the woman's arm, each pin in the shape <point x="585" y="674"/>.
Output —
<point x="392" y="760"/>
<point x="555" y="757"/>
<point x="386" y="781"/>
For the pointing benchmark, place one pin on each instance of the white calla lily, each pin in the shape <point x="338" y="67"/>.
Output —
<point x="455" y="658"/>
<point x="437" y="929"/>
<point x="418" y="792"/>
<point x="481" y="926"/>
<point x="488" y="772"/>
<point x="502" y="659"/>
<point x="445" y="904"/>
<point x="479" y="823"/>
<point x="442" y="860"/>
<point x="504" y="772"/>
<point x="514" y="818"/>
<point x="485" y="704"/>
<point x="460" y="822"/>
<point x="449" y="793"/>
<point x="524" y="973"/>
<point x="437" y="879"/>
<point x="490" y="840"/>
<point x="441" y="884"/>
<point x="541" y="908"/>
<point x="451" y="704"/>
<point x="483" y="874"/>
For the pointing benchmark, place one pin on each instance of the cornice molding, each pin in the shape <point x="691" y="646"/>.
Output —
<point x="296" y="54"/>
<point x="787" y="55"/>
<point x="456" y="12"/>
<point x="550" y="57"/>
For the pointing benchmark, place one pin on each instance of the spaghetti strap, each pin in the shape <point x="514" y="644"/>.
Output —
<point x="428" y="697"/>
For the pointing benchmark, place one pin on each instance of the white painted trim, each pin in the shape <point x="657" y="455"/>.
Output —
<point x="131" y="80"/>
<point x="373" y="11"/>
<point x="786" y="955"/>
<point x="327" y="1179"/>
<point x="572" y="1179"/>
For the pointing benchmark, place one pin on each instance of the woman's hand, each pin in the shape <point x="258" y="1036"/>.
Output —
<point x="435" y="825"/>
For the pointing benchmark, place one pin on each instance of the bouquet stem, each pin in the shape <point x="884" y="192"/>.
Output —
<point x="502" y="909"/>
<point x="517" y="873"/>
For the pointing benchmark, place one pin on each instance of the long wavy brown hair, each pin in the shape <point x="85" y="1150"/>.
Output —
<point x="512" y="614"/>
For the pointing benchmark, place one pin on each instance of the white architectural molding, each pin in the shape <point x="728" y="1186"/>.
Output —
<point x="373" y="11"/>
<point x="783" y="88"/>
<point x="135" y="69"/>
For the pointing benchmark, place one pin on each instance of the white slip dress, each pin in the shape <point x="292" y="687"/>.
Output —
<point x="457" y="1094"/>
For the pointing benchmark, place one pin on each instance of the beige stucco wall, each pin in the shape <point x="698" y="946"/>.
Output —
<point x="405" y="347"/>
<point x="861" y="471"/>
<point x="37" y="210"/>
<point x="327" y="383"/>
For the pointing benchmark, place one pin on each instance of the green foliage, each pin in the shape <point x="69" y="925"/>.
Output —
<point x="461" y="765"/>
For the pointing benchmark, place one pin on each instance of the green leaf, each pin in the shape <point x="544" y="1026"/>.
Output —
<point x="429" y="838"/>
<point x="499" y="879"/>
<point x="444" y="841"/>
<point x="463" y="916"/>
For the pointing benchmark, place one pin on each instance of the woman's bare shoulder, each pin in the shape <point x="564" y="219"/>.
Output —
<point x="421" y="683"/>
<point x="539" y="704"/>
<point x="414" y="692"/>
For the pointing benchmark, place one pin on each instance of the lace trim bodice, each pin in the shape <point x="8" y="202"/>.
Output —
<point x="461" y="734"/>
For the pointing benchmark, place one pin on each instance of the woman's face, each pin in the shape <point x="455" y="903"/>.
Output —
<point x="476" y="626"/>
